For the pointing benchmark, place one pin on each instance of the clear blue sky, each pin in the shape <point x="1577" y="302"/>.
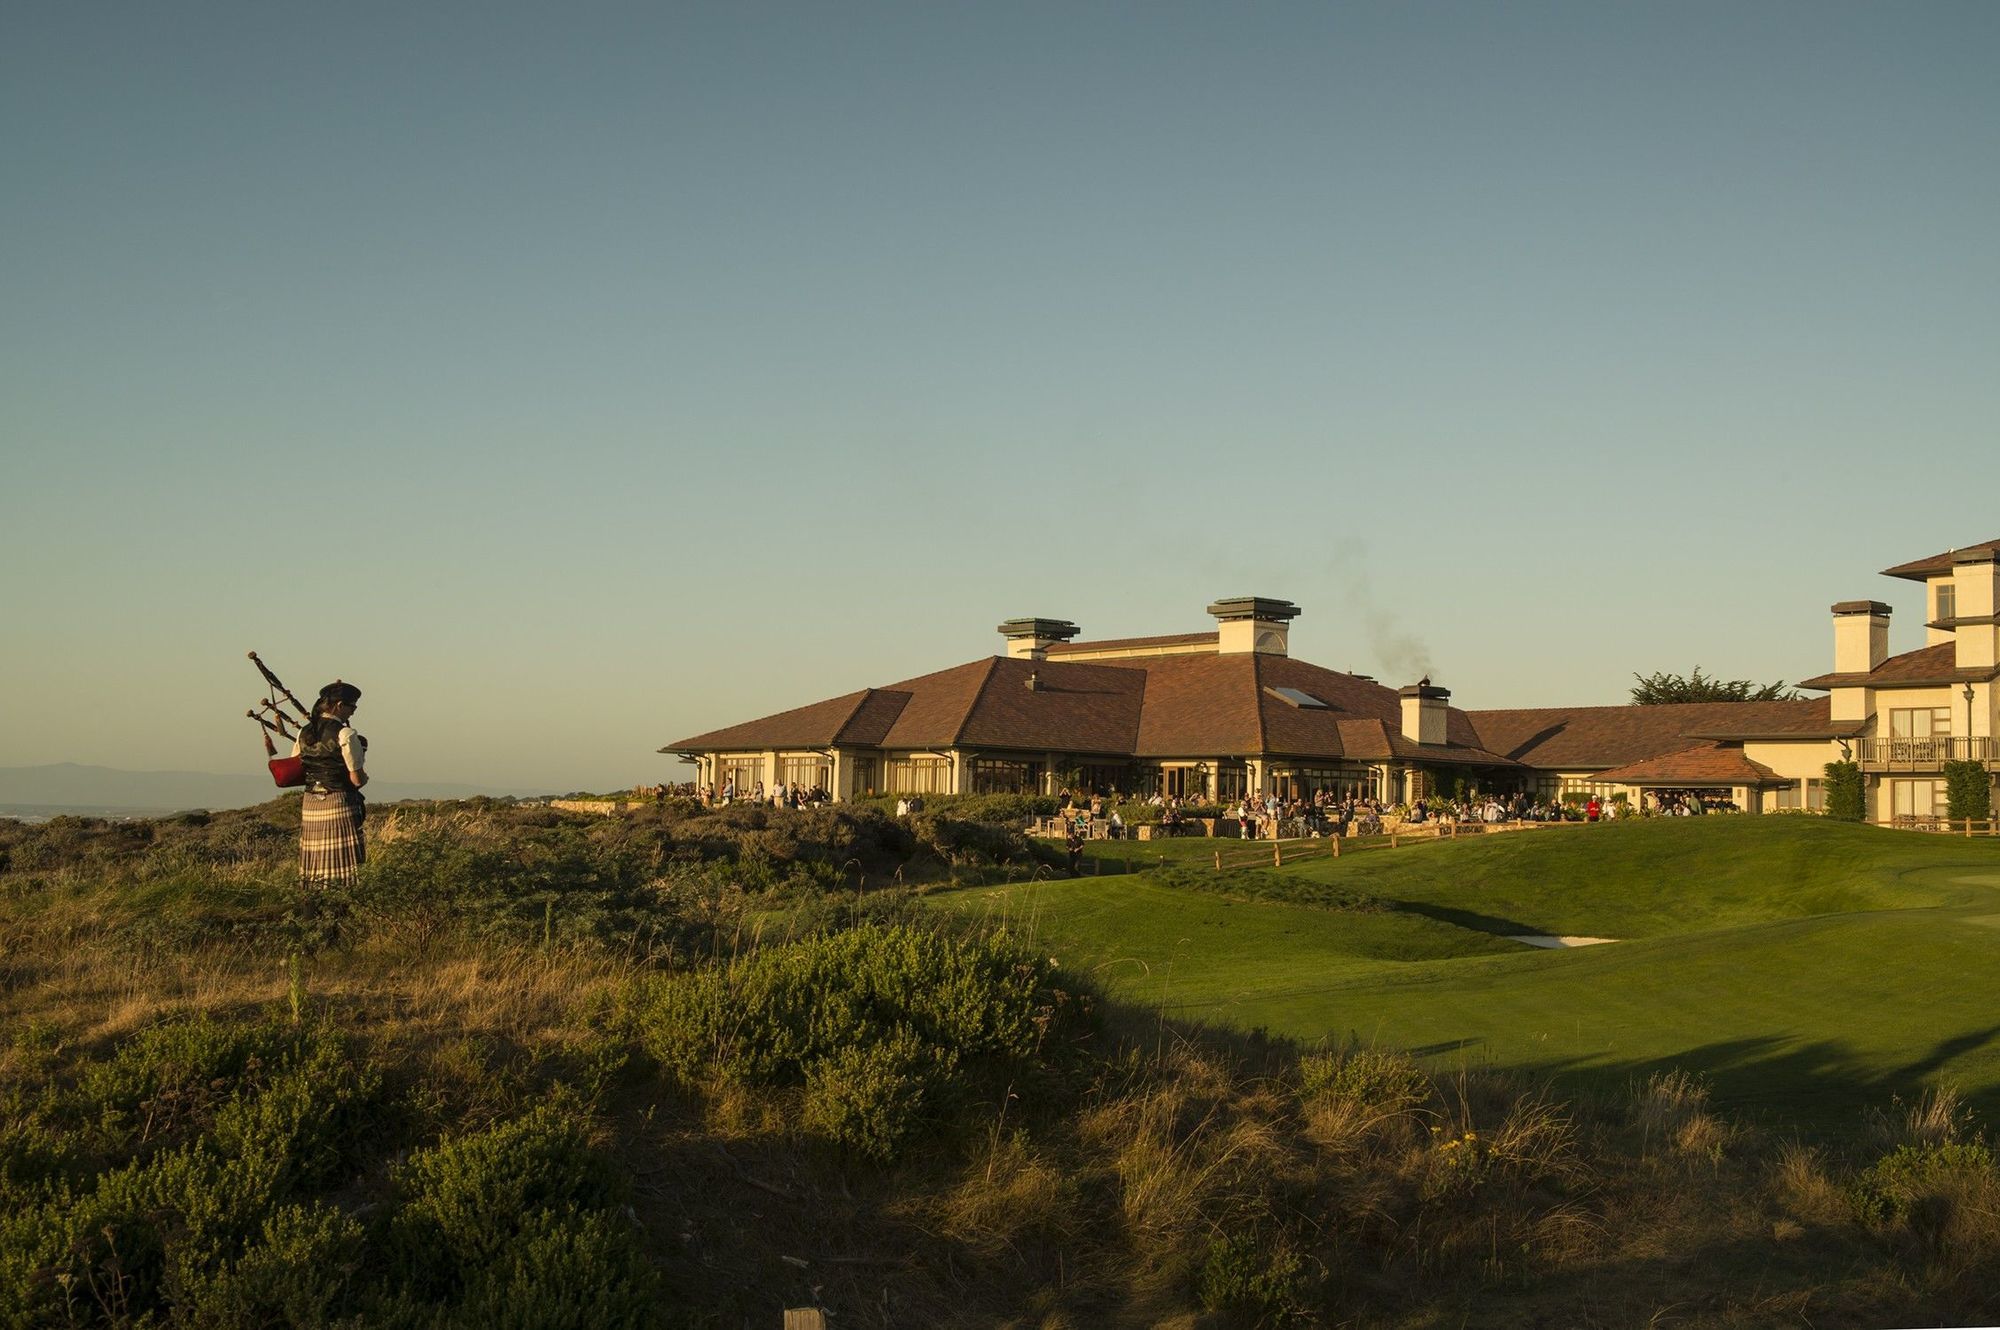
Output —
<point x="578" y="378"/>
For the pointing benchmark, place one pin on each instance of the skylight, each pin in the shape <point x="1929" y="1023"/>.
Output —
<point x="1304" y="701"/>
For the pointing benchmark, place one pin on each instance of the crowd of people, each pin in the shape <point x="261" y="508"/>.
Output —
<point x="781" y="795"/>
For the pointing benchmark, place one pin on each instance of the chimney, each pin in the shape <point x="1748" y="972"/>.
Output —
<point x="1424" y="708"/>
<point x="1030" y="639"/>
<point x="1253" y="623"/>
<point x="1860" y="636"/>
<point x="1975" y="580"/>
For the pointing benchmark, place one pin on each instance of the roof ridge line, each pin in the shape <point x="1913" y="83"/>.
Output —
<point x="992" y="668"/>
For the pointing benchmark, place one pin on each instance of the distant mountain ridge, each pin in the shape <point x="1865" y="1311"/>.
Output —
<point x="73" y="785"/>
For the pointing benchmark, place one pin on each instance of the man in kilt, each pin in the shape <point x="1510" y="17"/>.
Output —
<point x="331" y="850"/>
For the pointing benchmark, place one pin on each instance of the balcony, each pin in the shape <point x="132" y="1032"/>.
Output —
<point x="1929" y="753"/>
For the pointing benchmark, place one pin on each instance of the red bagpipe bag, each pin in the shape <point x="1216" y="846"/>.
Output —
<point x="287" y="772"/>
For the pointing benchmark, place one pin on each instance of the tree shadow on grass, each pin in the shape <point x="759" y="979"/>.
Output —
<point x="1819" y="1085"/>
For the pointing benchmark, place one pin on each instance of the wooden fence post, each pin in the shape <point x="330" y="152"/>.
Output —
<point x="1393" y="837"/>
<point x="1218" y="861"/>
<point x="1277" y="856"/>
<point x="1336" y="847"/>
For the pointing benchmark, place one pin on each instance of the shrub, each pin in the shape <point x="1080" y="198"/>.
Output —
<point x="1245" y="1273"/>
<point x="1264" y="884"/>
<point x="1369" y="1077"/>
<point x="1846" y="797"/>
<point x="871" y="1098"/>
<point x="1902" y="1181"/>
<point x="516" y="1226"/>
<point x="1968" y="791"/>
<point x="879" y="1023"/>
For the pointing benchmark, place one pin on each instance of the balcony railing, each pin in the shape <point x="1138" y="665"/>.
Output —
<point x="1926" y="754"/>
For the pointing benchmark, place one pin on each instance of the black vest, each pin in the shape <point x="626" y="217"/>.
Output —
<point x="321" y="757"/>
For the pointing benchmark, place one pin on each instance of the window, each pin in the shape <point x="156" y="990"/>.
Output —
<point x="994" y="775"/>
<point x="919" y="775"/>
<point x="1947" y="601"/>
<point x="1184" y="782"/>
<point x="864" y="777"/>
<point x="1232" y="782"/>
<point x="744" y="771"/>
<point x="807" y="773"/>
<point x="1916" y="798"/>
<point x="1794" y="798"/>
<point x="1919" y="722"/>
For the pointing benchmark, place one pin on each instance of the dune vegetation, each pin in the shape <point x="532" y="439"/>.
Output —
<point x="690" y="1068"/>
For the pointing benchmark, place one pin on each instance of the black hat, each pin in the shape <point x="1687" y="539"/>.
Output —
<point x="340" y="692"/>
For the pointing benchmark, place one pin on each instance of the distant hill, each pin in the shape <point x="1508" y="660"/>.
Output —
<point x="69" y="786"/>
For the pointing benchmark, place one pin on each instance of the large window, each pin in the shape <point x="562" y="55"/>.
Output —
<point x="1916" y="798"/>
<point x="809" y="772"/>
<point x="1232" y="782"/>
<point x="744" y="771"/>
<point x="996" y="775"/>
<point x="919" y="775"/>
<point x="1919" y="722"/>
<point x="1947" y="601"/>
<point x="864" y="777"/>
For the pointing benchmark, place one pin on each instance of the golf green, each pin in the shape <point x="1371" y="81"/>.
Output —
<point x="1806" y="968"/>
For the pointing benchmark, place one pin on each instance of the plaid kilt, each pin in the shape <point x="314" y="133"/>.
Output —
<point x="331" y="851"/>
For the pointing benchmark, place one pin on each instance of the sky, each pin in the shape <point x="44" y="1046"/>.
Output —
<point x="579" y="378"/>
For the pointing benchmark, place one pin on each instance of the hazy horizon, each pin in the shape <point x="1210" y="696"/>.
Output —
<point x="577" y="381"/>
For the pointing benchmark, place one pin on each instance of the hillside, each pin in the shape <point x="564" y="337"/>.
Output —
<point x="687" y="1068"/>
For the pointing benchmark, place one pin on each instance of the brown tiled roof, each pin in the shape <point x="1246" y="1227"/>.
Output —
<point x="1213" y="705"/>
<point x="938" y="705"/>
<point x="1583" y="738"/>
<point x="1128" y="643"/>
<point x="1920" y="570"/>
<point x="1703" y="764"/>
<point x="1074" y="707"/>
<point x="1930" y="666"/>
<point x="814" y="726"/>
<point x="874" y="716"/>
<point x="1303" y="732"/>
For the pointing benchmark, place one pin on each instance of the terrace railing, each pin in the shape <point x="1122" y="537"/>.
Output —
<point x="1926" y="754"/>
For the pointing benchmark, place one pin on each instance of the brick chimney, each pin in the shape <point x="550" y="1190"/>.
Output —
<point x="1424" y="709"/>
<point x="1030" y="639"/>
<point x="1253" y="623"/>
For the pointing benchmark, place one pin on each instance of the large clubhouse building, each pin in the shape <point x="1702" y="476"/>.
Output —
<point x="1218" y="715"/>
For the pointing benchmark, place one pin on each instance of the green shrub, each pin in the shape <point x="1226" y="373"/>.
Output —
<point x="1846" y="796"/>
<point x="871" y="1097"/>
<point x="1245" y="1273"/>
<point x="1264" y="884"/>
<point x="1367" y="1076"/>
<point x="161" y="1235"/>
<point x="880" y="1023"/>
<point x="1968" y="791"/>
<point x="516" y="1225"/>
<point x="1898" y="1186"/>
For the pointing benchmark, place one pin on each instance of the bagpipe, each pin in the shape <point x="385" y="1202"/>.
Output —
<point x="275" y="719"/>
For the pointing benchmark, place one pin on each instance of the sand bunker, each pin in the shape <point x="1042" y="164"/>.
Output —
<point x="1544" y="940"/>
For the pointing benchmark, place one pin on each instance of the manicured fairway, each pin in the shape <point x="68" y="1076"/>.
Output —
<point x="1808" y="968"/>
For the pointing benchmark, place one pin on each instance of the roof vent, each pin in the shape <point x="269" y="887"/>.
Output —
<point x="1034" y="682"/>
